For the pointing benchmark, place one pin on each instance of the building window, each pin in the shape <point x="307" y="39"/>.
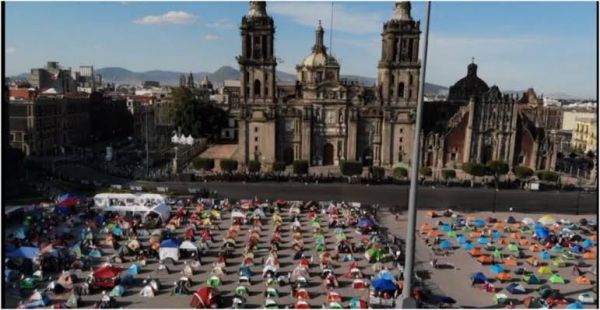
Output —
<point x="256" y="88"/>
<point x="256" y="148"/>
<point x="401" y="139"/>
<point x="12" y="137"/>
<point x="401" y="90"/>
<point x="255" y="129"/>
<point x="410" y="78"/>
<point x="255" y="139"/>
<point x="453" y="156"/>
<point x="401" y="130"/>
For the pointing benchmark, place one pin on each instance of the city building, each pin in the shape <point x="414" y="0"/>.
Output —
<point x="324" y="119"/>
<point x="584" y="135"/>
<point x="52" y="78"/>
<point x="48" y="124"/>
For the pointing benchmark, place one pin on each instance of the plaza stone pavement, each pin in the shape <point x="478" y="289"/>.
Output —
<point x="456" y="282"/>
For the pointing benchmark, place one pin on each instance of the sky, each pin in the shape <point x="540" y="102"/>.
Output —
<point x="550" y="46"/>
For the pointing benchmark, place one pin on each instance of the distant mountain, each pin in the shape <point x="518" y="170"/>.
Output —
<point x="123" y="76"/>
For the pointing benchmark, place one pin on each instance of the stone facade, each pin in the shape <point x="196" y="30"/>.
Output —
<point x="324" y="119"/>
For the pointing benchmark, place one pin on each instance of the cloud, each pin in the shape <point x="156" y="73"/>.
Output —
<point x="221" y="23"/>
<point x="171" y="17"/>
<point x="10" y="50"/>
<point x="212" y="37"/>
<point x="344" y="20"/>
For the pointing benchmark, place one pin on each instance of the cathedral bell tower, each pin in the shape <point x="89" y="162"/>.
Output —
<point x="397" y="79"/>
<point x="257" y="60"/>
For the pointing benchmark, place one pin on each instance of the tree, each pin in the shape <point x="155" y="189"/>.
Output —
<point x="254" y="166"/>
<point x="197" y="117"/>
<point x="448" y="174"/>
<point x="300" y="167"/>
<point x="523" y="173"/>
<point x="474" y="170"/>
<point x="400" y="172"/>
<point x="377" y="172"/>
<point x="496" y="168"/>
<point x="351" y="168"/>
<point x="228" y="165"/>
<point x="425" y="171"/>
<point x="278" y="166"/>
<point x="206" y="164"/>
<point x="547" y="175"/>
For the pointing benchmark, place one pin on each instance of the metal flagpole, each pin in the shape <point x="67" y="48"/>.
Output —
<point x="331" y="32"/>
<point x="407" y="300"/>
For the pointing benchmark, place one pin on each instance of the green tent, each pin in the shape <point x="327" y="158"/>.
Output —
<point x="556" y="279"/>
<point x="568" y="255"/>
<point x="497" y="254"/>
<point x="373" y="254"/>
<point x="316" y="224"/>
<point x="558" y="262"/>
<point x="213" y="282"/>
<point x="466" y="229"/>
<point x="513" y="247"/>
<point x="452" y="234"/>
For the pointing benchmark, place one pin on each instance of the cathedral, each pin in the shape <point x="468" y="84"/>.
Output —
<point x="325" y="119"/>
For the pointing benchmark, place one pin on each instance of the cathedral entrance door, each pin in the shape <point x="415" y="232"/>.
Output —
<point x="488" y="154"/>
<point x="367" y="157"/>
<point x="288" y="155"/>
<point x="328" y="154"/>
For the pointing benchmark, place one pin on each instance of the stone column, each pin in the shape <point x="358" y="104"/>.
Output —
<point x="352" y="134"/>
<point x="306" y="132"/>
<point x="468" y="133"/>
<point x="387" y="142"/>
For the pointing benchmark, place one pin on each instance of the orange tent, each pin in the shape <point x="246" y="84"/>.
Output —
<point x="524" y="242"/>
<point x="583" y="280"/>
<point x="515" y="235"/>
<point x="516" y="225"/>
<point x="432" y="214"/>
<point x="510" y="261"/>
<point x="426" y="227"/>
<point x="475" y="234"/>
<point x="475" y="252"/>
<point x="498" y="225"/>
<point x="533" y="261"/>
<point x="535" y="248"/>
<point x="594" y="238"/>
<point x="470" y="218"/>
<point x="504" y="241"/>
<point x="589" y="255"/>
<point x="485" y="259"/>
<point x="434" y="233"/>
<point x="504" y="276"/>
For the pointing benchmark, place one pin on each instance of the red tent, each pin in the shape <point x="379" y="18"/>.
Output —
<point x="68" y="202"/>
<point x="205" y="297"/>
<point x="106" y="276"/>
<point x="302" y="305"/>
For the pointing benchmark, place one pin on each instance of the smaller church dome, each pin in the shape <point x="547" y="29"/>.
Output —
<point x="315" y="60"/>
<point x="470" y="85"/>
<point x="319" y="57"/>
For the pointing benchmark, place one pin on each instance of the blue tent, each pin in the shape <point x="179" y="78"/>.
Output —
<point x="446" y="244"/>
<point x="127" y="280"/>
<point x="95" y="254"/>
<point x="497" y="268"/>
<point x="366" y="222"/>
<point x="117" y="231"/>
<point x="556" y="249"/>
<point x="479" y="223"/>
<point x="483" y="240"/>
<point x="445" y="227"/>
<point x="461" y="222"/>
<point x="587" y="243"/>
<point x="461" y="240"/>
<point x="516" y="288"/>
<point x="577" y="249"/>
<point x="575" y="305"/>
<point x="20" y="233"/>
<point x="246" y="272"/>
<point x="531" y="279"/>
<point x="169" y="243"/>
<point x="134" y="269"/>
<point x="468" y="247"/>
<point x="545" y="255"/>
<point x="478" y="278"/>
<point x="384" y="285"/>
<point x="542" y="232"/>
<point x="24" y="252"/>
<point x="387" y="275"/>
<point x="496" y="235"/>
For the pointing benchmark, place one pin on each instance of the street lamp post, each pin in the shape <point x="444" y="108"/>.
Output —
<point x="407" y="299"/>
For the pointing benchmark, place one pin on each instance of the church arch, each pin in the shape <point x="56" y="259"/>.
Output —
<point x="328" y="154"/>
<point x="256" y="88"/>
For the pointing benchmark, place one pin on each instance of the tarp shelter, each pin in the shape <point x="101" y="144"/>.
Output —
<point x="575" y="305"/>
<point x="383" y="285"/>
<point x="365" y="223"/>
<point x="134" y="269"/>
<point x="163" y="211"/>
<point x="446" y="245"/>
<point x="497" y="268"/>
<point x="106" y="276"/>
<point x="117" y="291"/>
<point x="24" y="252"/>
<point x="556" y="279"/>
<point x="516" y="288"/>
<point x="547" y="220"/>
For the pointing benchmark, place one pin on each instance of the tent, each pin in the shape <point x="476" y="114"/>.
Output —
<point x="365" y="223"/>
<point x="469" y="247"/>
<point x="535" y="248"/>
<point x="558" y="262"/>
<point x="238" y="214"/>
<point x="485" y="259"/>
<point x="496" y="235"/>
<point x="461" y="240"/>
<point x="445" y="227"/>
<point x="475" y="251"/>
<point x="169" y="249"/>
<point x="117" y="291"/>
<point x="373" y="254"/>
<point x="446" y="244"/>
<point x="556" y="249"/>
<point x="531" y="279"/>
<point x="556" y="279"/>
<point x="547" y="220"/>
<point x="301" y="304"/>
<point x="452" y="234"/>
<point x="589" y="255"/>
<point x="497" y="254"/>
<point x="483" y="240"/>
<point x="432" y="214"/>
<point x="587" y="243"/>
<point x="24" y="252"/>
<point x="204" y="298"/>
<point x="511" y="220"/>
<point x="586" y="298"/>
<point x="544" y="270"/>
<point x="134" y="269"/>
<point x="582" y="280"/>
<point x="510" y="261"/>
<point x="163" y="211"/>
<point x="497" y="269"/>
<point x="513" y="247"/>
<point x="516" y="288"/>
<point x="542" y="232"/>
<point x="528" y="221"/>
<point x="504" y="276"/>
<point x="479" y="223"/>
<point x="384" y="285"/>
<point x="545" y="255"/>
<point x="575" y="305"/>
<point x="478" y="278"/>
<point x="106" y="276"/>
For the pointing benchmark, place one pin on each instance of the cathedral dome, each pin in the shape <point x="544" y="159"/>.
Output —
<point x="319" y="57"/>
<point x="316" y="59"/>
<point x="470" y="85"/>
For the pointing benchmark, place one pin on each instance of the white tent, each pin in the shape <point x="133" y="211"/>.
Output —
<point x="172" y="253"/>
<point x="188" y="245"/>
<point x="189" y="140"/>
